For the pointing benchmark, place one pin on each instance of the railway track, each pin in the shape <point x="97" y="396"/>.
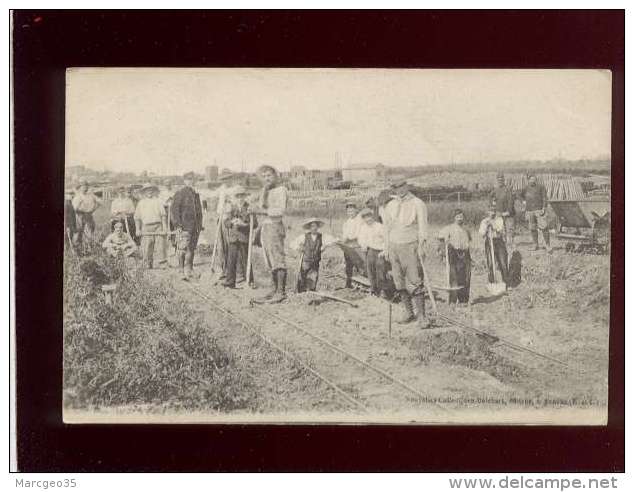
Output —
<point x="363" y="386"/>
<point x="466" y="327"/>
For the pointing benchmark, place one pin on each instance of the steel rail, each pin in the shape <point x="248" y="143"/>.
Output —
<point x="508" y="343"/>
<point x="424" y="398"/>
<point x="283" y="351"/>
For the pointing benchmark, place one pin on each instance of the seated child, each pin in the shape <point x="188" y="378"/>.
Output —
<point x="372" y="239"/>
<point x="311" y="245"/>
<point x="119" y="242"/>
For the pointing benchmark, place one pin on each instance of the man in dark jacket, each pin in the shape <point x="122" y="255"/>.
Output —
<point x="187" y="218"/>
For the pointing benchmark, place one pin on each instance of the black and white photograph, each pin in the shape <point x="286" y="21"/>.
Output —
<point x="336" y="245"/>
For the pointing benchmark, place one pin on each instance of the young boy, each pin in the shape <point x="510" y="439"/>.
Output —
<point x="492" y="230"/>
<point x="236" y="222"/>
<point x="119" y="242"/>
<point x="312" y="244"/>
<point x="456" y="240"/>
<point x="349" y="238"/>
<point x="372" y="239"/>
<point x="150" y="218"/>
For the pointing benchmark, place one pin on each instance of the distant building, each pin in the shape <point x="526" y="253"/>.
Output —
<point x="211" y="173"/>
<point x="364" y="172"/>
<point x="301" y="178"/>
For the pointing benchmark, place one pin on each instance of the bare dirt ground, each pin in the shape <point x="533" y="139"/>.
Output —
<point x="560" y="309"/>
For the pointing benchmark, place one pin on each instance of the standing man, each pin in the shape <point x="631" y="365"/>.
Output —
<point x="70" y="223"/>
<point x="492" y="230"/>
<point x="535" y="201"/>
<point x="85" y="203"/>
<point x="505" y="207"/>
<point x="272" y="207"/>
<point x="151" y="221"/>
<point x="456" y="240"/>
<point x="405" y="219"/>
<point x="236" y="219"/>
<point x="349" y="238"/>
<point x="372" y="239"/>
<point x="187" y="217"/>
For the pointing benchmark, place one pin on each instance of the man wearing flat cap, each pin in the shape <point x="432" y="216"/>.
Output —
<point x="405" y="219"/>
<point x="187" y="217"/>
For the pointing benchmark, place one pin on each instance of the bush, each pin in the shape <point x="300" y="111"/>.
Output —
<point x="147" y="347"/>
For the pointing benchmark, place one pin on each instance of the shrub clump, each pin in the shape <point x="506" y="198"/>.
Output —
<point x="146" y="347"/>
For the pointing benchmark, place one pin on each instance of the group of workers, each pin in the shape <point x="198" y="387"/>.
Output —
<point x="386" y="239"/>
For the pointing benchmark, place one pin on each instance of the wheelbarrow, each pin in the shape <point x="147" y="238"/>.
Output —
<point x="584" y="225"/>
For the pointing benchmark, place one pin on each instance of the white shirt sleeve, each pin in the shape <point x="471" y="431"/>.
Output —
<point x="421" y="216"/>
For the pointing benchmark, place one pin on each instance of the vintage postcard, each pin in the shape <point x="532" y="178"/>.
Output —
<point x="350" y="246"/>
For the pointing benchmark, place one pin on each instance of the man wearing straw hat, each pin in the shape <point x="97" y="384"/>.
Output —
<point x="151" y="221"/>
<point x="187" y="217"/>
<point x="405" y="218"/>
<point x="455" y="242"/>
<point x="272" y="207"/>
<point x="504" y="199"/>
<point x="536" y="199"/>
<point x="311" y="245"/>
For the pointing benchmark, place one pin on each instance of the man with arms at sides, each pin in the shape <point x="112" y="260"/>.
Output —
<point x="187" y="217"/>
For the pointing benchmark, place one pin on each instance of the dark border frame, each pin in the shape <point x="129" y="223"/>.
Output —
<point x="46" y="42"/>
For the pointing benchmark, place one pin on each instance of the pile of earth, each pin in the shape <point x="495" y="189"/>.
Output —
<point x="468" y="350"/>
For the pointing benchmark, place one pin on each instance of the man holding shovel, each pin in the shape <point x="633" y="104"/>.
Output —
<point x="492" y="230"/>
<point x="455" y="242"/>
<point x="405" y="218"/>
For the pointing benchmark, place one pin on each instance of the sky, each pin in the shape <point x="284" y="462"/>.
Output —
<point x="169" y="121"/>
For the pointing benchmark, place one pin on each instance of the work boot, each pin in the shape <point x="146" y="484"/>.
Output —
<point x="423" y="321"/>
<point x="408" y="314"/>
<point x="348" y="283"/>
<point x="280" y="295"/>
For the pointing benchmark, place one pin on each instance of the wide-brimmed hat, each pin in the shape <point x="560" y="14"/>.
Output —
<point x="189" y="175"/>
<point x="365" y="212"/>
<point x="306" y="224"/>
<point x="149" y="187"/>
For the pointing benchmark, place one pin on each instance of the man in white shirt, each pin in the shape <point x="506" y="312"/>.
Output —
<point x="455" y="243"/>
<point x="349" y="238"/>
<point x="150" y="217"/>
<point x="272" y="208"/>
<point x="85" y="203"/>
<point x="493" y="232"/>
<point x="372" y="239"/>
<point x="405" y="218"/>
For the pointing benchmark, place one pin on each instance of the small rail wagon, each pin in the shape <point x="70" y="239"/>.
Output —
<point x="585" y="225"/>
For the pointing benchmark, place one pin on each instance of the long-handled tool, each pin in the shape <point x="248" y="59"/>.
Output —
<point x="250" y="253"/>
<point x="495" y="288"/>
<point x="70" y="242"/>
<point x="217" y="238"/>
<point x="427" y="283"/>
<point x="299" y="273"/>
